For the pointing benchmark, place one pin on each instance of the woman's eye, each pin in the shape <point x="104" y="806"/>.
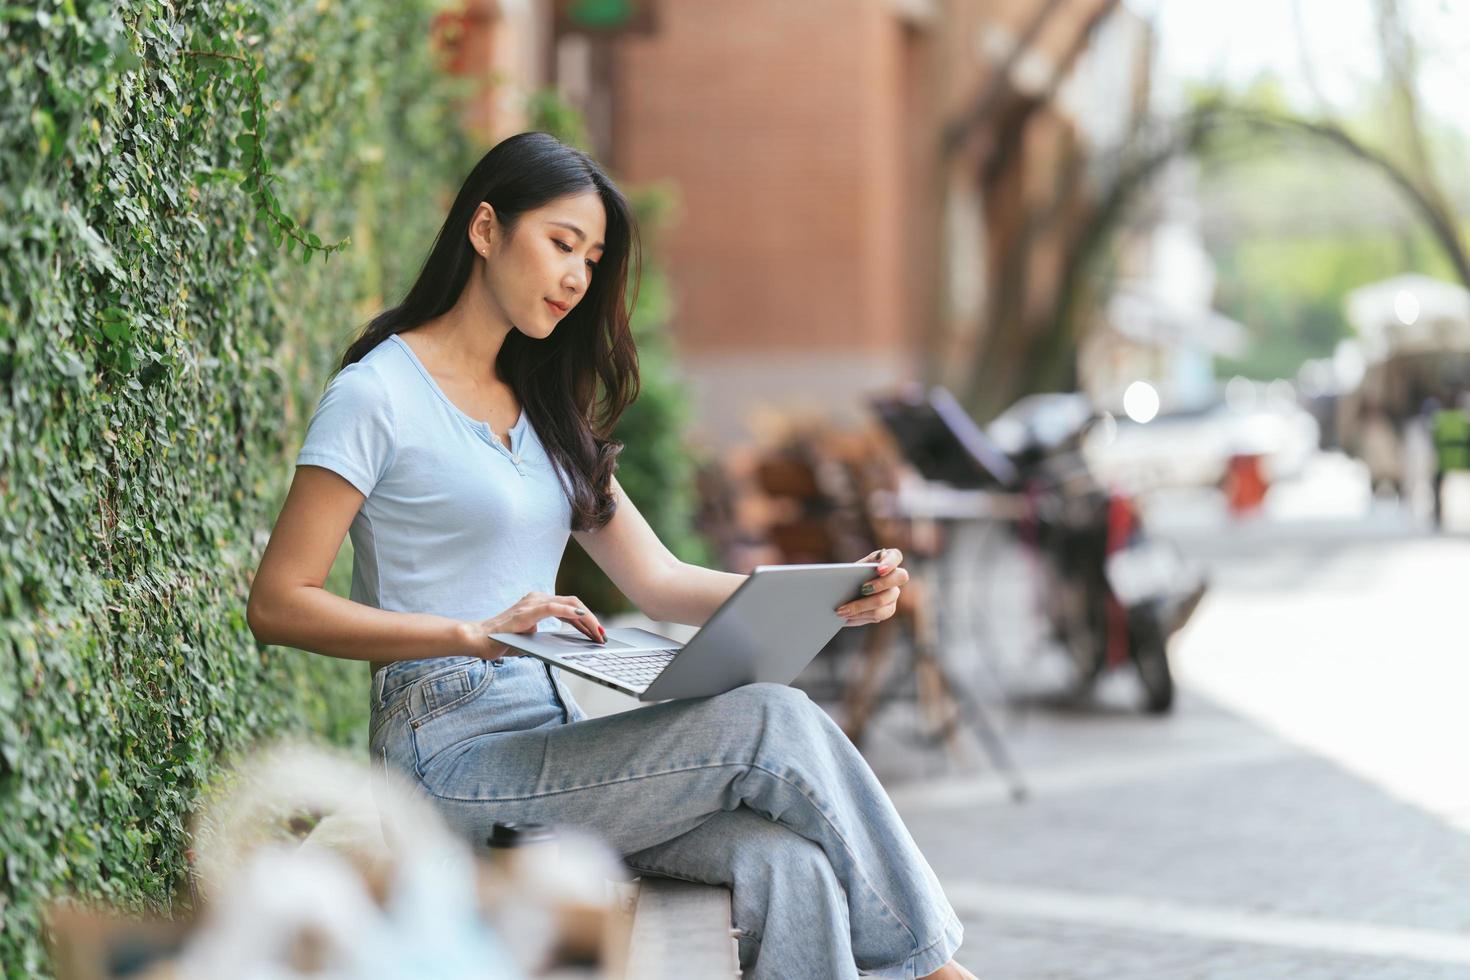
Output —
<point x="567" y="248"/>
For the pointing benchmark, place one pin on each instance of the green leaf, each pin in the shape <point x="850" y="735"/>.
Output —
<point x="98" y="251"/>
<point x="45" y="129"/>
<point x="71" y="365"/>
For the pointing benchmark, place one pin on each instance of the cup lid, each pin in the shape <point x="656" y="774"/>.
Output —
<point x="509" y="834"/>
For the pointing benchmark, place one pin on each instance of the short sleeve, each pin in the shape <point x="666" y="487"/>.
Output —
<point x="351" y="433"/>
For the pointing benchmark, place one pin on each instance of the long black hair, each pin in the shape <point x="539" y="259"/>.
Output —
<point x="577" y="382"/>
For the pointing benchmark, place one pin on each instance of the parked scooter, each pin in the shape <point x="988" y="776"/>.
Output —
<point x="1111" y="593"/>
<point x="1117" y="594"/>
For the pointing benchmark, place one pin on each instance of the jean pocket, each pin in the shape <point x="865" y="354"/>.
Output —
<point x="401" y="678"/>
<point x="434" y="695"/>
<point x="441" y="713"/>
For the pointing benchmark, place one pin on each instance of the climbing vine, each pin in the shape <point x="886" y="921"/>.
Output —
<point x="168" y="170"/>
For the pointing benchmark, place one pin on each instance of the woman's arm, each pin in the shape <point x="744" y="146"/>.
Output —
<point x="289" y="606"/>
<point x="699" y="592"/>
<point x="642" y="567"/>
<point x="671" y="591"/>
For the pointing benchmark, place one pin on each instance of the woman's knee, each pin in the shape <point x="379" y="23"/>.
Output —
<point x="780" y="703"/>
<point x="791" y="726"/>
<point x="772" y="860"/>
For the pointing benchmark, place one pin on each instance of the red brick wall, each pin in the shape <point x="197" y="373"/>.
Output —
<point x="780" y="122"/>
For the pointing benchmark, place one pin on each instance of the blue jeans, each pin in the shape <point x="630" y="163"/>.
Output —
<point x="756" y="789"/>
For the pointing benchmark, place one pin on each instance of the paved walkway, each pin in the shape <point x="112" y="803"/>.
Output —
<point x="1297" y="817"/>
<point x="1194" y="847"/>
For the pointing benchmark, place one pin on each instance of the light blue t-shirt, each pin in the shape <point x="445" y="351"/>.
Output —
<point x="455" y="523"/>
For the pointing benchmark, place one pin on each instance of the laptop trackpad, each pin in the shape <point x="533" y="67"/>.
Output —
<point x="626" y="640"/>
<point x="583" y="644"/>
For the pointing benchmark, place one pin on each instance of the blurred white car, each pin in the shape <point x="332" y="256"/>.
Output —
<point x="1193" y="448"/>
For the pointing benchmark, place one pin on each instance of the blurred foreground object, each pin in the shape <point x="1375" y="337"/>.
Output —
<point x="373" y="891"/>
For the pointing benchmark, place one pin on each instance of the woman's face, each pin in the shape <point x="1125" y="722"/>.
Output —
<point x="536" y="275"/>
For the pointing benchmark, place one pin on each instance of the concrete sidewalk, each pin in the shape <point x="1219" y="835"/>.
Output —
<point x="1300" y="815"/>
<point x="1191" y="847"/>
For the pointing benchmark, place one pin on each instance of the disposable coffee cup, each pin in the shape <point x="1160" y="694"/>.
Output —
<point x="521" y="865"/>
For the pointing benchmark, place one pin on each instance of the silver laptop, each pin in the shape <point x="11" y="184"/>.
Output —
<point x="768" y="630"/>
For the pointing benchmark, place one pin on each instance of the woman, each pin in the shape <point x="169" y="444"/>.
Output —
<point x="461" y="442"/>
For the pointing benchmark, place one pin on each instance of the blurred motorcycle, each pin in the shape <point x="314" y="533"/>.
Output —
<point x="1111" y="593"/>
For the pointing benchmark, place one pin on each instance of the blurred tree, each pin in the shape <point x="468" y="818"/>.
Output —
<point x="1029" y="345"/>
<point x="1305" y="228"/>
<point x="1289" y="290"/>
<point x="1008" y="135"/>
<point x="1293" y="233"/>
<point x="1287" y="281"/>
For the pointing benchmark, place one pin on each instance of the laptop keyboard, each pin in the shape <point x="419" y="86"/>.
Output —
<point x="634" y="669"/>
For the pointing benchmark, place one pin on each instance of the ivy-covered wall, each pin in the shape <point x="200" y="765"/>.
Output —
<point x="179" y="182"/>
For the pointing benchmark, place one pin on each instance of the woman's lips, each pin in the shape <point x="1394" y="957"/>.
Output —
<point x="556" y="309"/>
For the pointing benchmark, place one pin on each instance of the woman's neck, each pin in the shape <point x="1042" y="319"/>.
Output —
<point x="466" y="341"/>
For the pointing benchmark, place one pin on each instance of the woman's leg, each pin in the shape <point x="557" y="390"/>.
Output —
<point x="645" y="777"/>
<point x="786" y="900"/>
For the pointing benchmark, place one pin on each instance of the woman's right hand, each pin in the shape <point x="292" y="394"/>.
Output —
<point x="529" y="610"/>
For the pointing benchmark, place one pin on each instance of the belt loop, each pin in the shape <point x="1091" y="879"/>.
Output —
<point x="378" y="686"/>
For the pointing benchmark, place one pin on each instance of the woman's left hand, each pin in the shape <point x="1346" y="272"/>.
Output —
<point x="880" y="595"/>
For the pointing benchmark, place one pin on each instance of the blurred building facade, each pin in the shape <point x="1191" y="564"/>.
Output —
<point x="871" y="191"/>
<point x="793" y="133"/>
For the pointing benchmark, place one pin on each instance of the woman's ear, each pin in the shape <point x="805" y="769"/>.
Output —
<point x="483" y="228"/>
